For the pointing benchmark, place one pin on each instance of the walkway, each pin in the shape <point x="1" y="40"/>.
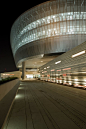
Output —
<point x="43" y="105"/>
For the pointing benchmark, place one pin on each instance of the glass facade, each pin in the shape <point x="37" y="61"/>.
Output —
<point x="52" y="19"/>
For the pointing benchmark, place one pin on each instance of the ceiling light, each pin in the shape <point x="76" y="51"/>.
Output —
<point x="19" y="66"/>
<point x="79" y="53"/>
<point x="48" y="67"/>
<point x="57" y="62"/>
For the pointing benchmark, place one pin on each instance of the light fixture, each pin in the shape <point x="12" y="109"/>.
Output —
<point x="59" y="70"/>
<point x="76" y="79"/>
<point x="79" y="53"/>
<point x="41" y="61"/>
<point x="67" y="69"/>
<point x="19" y="66"/>
<point x="44" y="68"/>
<point x="54" y="16"/>
<point x="53" y="70"/>
<point x="57" y="62"/>
<point x="48" y="67"/>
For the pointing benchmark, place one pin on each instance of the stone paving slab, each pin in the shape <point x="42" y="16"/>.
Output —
<point x="44" y="105"/>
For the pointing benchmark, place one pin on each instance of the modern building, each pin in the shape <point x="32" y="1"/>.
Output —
<point x="47" y="30"/>
<point x="67" y="69"/>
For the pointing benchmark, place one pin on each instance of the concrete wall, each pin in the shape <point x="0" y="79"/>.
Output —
<point x="6" y="87"/>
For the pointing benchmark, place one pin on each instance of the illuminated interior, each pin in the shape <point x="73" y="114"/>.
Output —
<point x="29" y="76"/>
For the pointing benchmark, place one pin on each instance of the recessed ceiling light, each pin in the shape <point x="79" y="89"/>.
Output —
<point x="41" y="61"/>
<point x="79" y="53"/>
<point x="57" y="62"/>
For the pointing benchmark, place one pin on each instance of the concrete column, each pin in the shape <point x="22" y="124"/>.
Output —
<point x="23" y="70"/>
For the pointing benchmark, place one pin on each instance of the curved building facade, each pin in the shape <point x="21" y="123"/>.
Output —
<point x="51" y="27"/>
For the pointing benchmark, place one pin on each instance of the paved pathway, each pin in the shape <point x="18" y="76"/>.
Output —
<point x="43" y="105"/>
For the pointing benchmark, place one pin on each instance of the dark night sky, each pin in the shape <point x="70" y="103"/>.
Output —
<point x="10" y="11"/>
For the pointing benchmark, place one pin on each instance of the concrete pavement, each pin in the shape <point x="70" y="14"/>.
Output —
<point x="43" y="105"/>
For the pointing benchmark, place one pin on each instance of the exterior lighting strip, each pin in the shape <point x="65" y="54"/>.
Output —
<point x="8" y="74"/>
<point x="67" y="69"/>
<point x="59" y="70"/>
<point x="52" y="69"/>
<point x="79" y="53"/>
<point x="57" y="62"/>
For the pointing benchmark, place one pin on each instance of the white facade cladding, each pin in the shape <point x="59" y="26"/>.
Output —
<point x="70" y="69"/>
<point x="51" y="27"/>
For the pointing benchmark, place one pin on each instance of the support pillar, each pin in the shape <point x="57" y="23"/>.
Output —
<point x="23" y="70"/>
